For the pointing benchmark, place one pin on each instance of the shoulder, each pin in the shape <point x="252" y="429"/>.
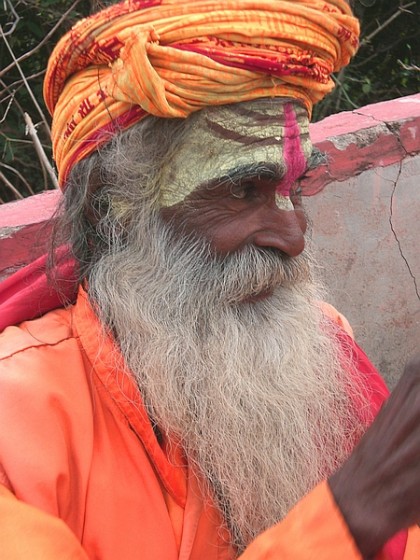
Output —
<point x="45" y="402"/>
<point x="42" y="368"/>
<point x="331" y="312"/>
<point x="49" y="330"/>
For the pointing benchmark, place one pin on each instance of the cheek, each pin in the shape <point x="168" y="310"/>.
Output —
<point x="227" y="237"/>
<point x="220" y="227"/>
<point x="224" y="230"/>
<point x="204" y="221"/>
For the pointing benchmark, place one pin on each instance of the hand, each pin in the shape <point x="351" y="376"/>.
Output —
<point x="378" y="487"/>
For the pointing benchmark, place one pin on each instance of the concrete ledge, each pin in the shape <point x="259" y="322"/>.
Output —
<point x="365" y="226"/>
<point x="25" y="230"/>
<point x="373" y="136"/>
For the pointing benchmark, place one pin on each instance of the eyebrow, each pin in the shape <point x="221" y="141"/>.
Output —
<point x="267" y="171"/>
<point x="263" y="170"/>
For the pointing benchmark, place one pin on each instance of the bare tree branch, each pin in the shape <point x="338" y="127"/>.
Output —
<point x="409" y="67"/>
<point x="41" y="43"/>
<point x="10" y="186"/>
<point x="19" y="83"/>
<point x="401" y="9"/>
<point x="16" y="20"/>
<point x="8" y="107"/>
<point x="31" y="94"/>
<point x="21" y="177"/>
<point x="39" y="150"/>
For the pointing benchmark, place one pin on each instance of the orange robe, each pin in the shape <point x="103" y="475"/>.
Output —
<point x="83" y="476"/>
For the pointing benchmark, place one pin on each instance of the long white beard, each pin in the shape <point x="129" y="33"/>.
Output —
<point x="258" y="393"/>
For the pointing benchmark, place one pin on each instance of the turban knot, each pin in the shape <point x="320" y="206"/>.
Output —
<point x="170" y="58"/>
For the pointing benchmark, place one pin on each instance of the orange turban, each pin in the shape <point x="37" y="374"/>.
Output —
<point x="172" y="57"/>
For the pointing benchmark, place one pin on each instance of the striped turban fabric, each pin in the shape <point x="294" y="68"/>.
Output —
<point x="170" y="58"/>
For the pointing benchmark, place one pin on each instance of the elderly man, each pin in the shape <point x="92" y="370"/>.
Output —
<point x="198" y="401"/>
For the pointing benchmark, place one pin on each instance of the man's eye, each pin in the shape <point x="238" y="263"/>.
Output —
<point x="242" y="190"/>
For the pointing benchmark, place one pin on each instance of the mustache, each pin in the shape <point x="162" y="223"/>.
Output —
<point x="233" y="278"/>
<point x="256" y="270"/>
<point x="188" y="264"/>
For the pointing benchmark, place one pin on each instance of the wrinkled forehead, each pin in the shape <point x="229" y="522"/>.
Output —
<point x="219" y="141"/>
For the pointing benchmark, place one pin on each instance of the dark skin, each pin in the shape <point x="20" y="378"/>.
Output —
<point x="378" y="488"/>
<point x="233" y="216"/>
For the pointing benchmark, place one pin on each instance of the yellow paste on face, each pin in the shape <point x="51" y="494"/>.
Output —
<point x="220" y="140"/>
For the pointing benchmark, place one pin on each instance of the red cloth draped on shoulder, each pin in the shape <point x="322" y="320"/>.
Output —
<point x="27" y="294"/>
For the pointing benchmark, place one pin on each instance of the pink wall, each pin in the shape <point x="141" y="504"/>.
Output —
<point x="366" y="226"/>
<point x="365" y="216"/>
<point x="24" y="229"/>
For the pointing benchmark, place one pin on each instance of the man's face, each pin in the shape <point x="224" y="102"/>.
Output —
<point x="233" y="177"/>
<point x="254" y="390"/>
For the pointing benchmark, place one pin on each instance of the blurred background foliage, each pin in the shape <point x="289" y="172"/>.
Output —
<point x="387" y="66"/>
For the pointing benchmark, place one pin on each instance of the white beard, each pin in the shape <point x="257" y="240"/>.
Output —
<point x="258" y="393"/>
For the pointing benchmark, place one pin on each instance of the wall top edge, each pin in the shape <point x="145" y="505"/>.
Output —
<point x="400" y="110"/>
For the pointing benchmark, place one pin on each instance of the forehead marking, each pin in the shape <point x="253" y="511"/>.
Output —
<point x="283" y="202"/>
<point x="234" y="135"/>
<point x="292" y="151"/>
<point x="259" y="115"/>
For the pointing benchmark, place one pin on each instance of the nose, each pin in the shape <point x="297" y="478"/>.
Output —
<point x="281" y="229"/>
